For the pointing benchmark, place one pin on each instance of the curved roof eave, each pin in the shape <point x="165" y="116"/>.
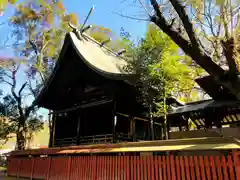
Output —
<point x="109" y="71"/>
<point x="100" y="59"/>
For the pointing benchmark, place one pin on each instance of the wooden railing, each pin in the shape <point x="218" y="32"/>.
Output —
<point x="97" y="139"/>
<point x="66" y="141"/>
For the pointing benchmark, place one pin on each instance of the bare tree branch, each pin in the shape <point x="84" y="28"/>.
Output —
<point x="7" y="82"/>
<point x="129" y="17"/>
<point x="194" y="52"/>
<point x="228" y="49"/>
<point x="186" y="22"/>
<point x="31" y="88"/>
<point x="144" y="7"/>
<point x="14" y="83"/>
<point x="21" y="89"/>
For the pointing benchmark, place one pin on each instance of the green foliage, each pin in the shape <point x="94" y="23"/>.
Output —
<point x="162" y="71"/>
<point x="41" y="25"/>
<point x="4" y="4"/>
<point x="9" y="120"/>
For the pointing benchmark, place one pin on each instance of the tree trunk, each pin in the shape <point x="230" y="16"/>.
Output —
<point x="21" y="141"/>
<point x="20" y="145"/>
<point x="165" y="127"/>
<point x="151" y="123"/>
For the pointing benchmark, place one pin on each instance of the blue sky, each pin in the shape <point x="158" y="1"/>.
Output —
<point x="102" y="15"/>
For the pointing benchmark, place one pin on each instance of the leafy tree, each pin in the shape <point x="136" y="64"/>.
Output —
<point x="161" y="71"/>
<point x="207" y="31"/>
<point x="41" y="26"/>
<point x="10" y="120"/>
<point x="38" y="31"/>
<point x="18" y="115"/>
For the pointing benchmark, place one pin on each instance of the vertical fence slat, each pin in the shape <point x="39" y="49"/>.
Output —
<point x="95" y="167"/>
<point x="149" y="176"/>
<point x="87" y="167"/>
<point x="224" y="165"/>
<point x="206" y="163"/>
<point x="140" y="170"/>
<point x="119" y="168"/>
<point x="138" y="165"/>
<point x="192" y="167"/>
<point x="186" y="164"/>
<point x="196" y="160"/>
<point x="182" y="167"/>
<point x="114" y="162"/>
<point x="69" y="167"/>
<point x="178" y="168"/>
<point x="213" y="168"/>
<point x="173" y="172"/>
<point x="122" y="167"/>
<point x="32" y="171"/>
<point x="90" y="176"/>
<point x="236" y="162"/>
<point x="108" y="168"/>
<point x="219" y="167"/>
<point x="168" y="167"/>
<point x="90" y="162"/>
<point x="79" y="166"/>
<point x="83" y="167"/>
<point x="164" y="168"/>
<point x="160" y="169"/>
<point x="132" y="169"/>
<point x="19" y="167"/>
<point x="203" y="177"/>
<point x="49" y="167"/>
<point x="156" y="167"/>
<point x="230" y="168"/>
<point x="136" y="168"/>
<point x="153" y="168"/>
<point x="128" y="177"/>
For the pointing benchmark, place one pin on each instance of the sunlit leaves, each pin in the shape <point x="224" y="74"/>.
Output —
<point x="72" y="18"/>
<point x="45" y="23"/>
<point x="12" y="1"/>
<point x="100" y="33"/>
<point x="60" y="9"/>
<point x="4" y="4"/>
<point x="220" y="2"/>
<point x="162" y="71"/>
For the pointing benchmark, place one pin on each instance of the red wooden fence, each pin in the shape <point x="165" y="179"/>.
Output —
<point x="127" y="167"/>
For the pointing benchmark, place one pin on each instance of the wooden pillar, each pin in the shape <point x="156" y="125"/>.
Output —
<point x="132" y="128"/>
<point x="78" y="128"/>
<point x="50" y="128"/>
<point x="114" y="122"/>
<point x="53" y="130"/>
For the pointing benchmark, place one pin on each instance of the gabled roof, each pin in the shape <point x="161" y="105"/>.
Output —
<point x="94" y="55"/>
<point x="101" y="59"/>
